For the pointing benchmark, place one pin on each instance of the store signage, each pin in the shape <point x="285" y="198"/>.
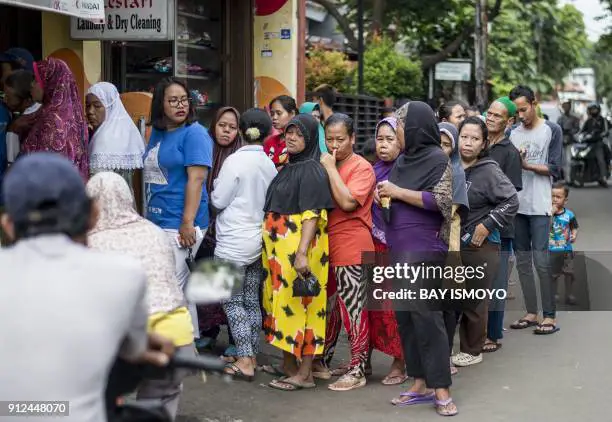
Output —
<point x="128" y="20"/>
<point x="89" y="10"/>
<point x="454" y="71"/>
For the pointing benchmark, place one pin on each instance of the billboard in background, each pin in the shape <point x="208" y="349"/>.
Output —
<point x="92" y="10"/>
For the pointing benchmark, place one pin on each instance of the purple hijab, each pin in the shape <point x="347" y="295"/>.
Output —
<point x="382" y="169"/>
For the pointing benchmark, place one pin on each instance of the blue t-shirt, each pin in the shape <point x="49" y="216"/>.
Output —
<point x="5" y="119"/>
<point x="561" y="231"/>
<point x="165" y="174"/>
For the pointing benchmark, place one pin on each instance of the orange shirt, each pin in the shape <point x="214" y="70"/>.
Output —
<point x="350" y="233"/>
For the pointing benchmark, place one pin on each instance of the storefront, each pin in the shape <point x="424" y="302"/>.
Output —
<point x="205" y="43"/>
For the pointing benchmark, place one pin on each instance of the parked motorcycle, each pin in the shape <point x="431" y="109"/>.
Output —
<point x="583" y="162"/>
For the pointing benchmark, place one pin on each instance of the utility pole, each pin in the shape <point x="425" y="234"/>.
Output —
<point x="360" y="47"/>
<point x="480" y="49"/>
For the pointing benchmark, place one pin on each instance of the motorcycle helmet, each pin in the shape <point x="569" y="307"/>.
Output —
<point x="594" y="105"/>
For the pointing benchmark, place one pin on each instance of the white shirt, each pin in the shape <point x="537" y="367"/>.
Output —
<point x="13" y="145"/>
<point x="83" y="306"/>
<point x="240" y="192"/>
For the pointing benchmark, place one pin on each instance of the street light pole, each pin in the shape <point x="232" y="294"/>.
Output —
<point x="480" y="50"/>
<point x="360" y="46"/>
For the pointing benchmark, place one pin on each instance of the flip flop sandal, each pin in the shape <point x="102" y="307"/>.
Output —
<point x="395" y="380"/>
<point x="275" y="370"/>
<point x="415" y="398"/>
<point x="521" y="324"/>
<point x="284" y="385"/>
<point x="539" y="331"/>
<point x="322" y="375"/>
<point x="237" y="373"/>
<point x="491" y="347"/>
<point x="441" y="407"/>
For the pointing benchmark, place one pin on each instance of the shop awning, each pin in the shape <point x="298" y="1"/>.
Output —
<point x="92" y="10"/>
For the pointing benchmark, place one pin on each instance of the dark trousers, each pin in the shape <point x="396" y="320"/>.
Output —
<point x="600" y="155"/>
<point x="531" y="236"/>
<point x="473" y="323"/>
<point x="425" y="345"/>
<point x="495" y="326"/>
<point x="422" y="331"/>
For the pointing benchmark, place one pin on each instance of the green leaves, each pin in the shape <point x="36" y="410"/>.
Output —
<point x="389" y="74"/>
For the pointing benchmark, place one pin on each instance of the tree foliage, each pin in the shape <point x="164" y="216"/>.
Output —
<point x="536" y="44"/>
<point x="327" y="67"/>
<point x="389" y="74"/>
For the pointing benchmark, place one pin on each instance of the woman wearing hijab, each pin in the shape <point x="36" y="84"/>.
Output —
<point x="116" y="144"/>
<point x="227" y="140"/>
<point x="384" y="335"/>
<point x="296" y="246"/>
<point x="121" y="230"/>
<point x="61" y="125"/>
<point x="493" y="206"/>
<point x="449" y="136"/>
<point x="315" y="110"/>
<point x="420" y="189"/>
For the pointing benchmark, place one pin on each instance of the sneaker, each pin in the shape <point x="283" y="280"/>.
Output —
<point x="348" y="382"/>
<point x="465" y="359"/>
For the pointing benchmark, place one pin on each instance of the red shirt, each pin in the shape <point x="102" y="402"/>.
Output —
<point x="274" y="146"/>
<point x="350" y="233"/>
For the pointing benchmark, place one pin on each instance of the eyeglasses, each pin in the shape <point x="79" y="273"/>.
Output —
<point x="174" y="102"/>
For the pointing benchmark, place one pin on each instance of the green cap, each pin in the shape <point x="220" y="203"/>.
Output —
<point x="507" y="102"/>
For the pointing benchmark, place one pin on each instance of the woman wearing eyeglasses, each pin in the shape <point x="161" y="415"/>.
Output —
<point x="176" y="164"/>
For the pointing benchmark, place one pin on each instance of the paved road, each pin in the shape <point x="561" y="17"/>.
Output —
<point x="552" y="378"/>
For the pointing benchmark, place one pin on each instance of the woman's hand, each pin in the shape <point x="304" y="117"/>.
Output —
<point x="187" y="235"/>
<point x="328" y="160"/>
<point x="301" y="264"/>
<point x="376" y="197"/>
<point x="480" y="234"/>
<point x="387" y="189"/>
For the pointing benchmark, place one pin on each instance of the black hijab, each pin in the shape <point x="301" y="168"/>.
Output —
<point x="424" y="162"/>
<point x="302" y="184"/>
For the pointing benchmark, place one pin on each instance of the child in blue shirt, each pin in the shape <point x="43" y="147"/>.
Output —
<point x="563" y="233"/>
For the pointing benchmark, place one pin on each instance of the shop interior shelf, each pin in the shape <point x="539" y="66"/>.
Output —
<point x="200" y="77"/>
<point x="194" y="16"/>
<point x="146" y="75"/>
<point x="194" y="46"/>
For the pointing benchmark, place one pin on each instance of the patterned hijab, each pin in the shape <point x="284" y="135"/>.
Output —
<point x="61" y="124"/>
<point x="121" y="230"/>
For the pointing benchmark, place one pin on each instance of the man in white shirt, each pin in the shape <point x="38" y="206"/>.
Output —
<point x="67" y="311"/>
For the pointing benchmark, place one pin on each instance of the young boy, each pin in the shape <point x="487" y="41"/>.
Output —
<point x="563" y="232"/>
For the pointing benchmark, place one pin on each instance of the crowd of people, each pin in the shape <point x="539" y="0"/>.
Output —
<point x="281" y="194"/>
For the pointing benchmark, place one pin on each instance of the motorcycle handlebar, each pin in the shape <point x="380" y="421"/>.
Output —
<point x="201" y="362"/>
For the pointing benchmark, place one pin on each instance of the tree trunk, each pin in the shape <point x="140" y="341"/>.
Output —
<point x="378" y="12"/>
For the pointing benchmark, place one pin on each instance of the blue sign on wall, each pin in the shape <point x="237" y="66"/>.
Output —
<point x="285" y="34"/>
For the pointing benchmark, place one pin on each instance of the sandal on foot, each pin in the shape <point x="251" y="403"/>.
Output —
<point x="453" y="370"/>
<point x="275" y="370"/>
<point x="237" y="373"/>
<point x="523" y="323"/>
<point x="322" y="375"/>
<point x="284" y="384"/>
<point x="395" y="379"/>
<point x="340" y="371"/>
<point x="491" y="346"/>
<point x="415" y="398"/>
<point x="348" y="382"/>
<point x="545" y="329"/>
<point x="443" y="407"/>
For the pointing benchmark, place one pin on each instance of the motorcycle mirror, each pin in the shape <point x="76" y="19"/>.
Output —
<point x="213" y="281"/>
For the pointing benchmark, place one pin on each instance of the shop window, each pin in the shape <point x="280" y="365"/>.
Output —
<point x="195" y="56"/>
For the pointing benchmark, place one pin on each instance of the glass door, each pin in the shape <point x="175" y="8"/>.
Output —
<point x="198" y="53"/>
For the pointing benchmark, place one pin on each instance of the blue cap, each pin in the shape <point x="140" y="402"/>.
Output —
<point x="44" y="188"/>
<point x="21" y="56"/>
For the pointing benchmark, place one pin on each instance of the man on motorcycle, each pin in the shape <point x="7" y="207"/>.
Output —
<point x="595" y="130"/>
<point x="67" y="311"/>
<point x="569" y="123"/>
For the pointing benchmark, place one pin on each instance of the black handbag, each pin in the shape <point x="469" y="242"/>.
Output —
<point x="307" y="286"/>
